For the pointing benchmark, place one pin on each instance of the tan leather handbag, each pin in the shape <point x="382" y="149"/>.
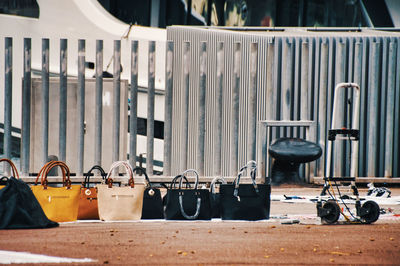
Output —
<point x="120" y="203"/>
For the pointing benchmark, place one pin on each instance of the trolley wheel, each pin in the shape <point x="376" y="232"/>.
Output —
<point x="371" y="212"/>
<point x="332" y="212"/>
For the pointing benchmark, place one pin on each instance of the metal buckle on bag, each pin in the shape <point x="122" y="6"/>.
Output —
<point x="151" y="192"/>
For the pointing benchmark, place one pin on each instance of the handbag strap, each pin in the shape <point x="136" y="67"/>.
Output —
<point x="128" y="169"/>
<point x="87" y="175"/>
<point x="250" y="165"/>
<point x="46" y="169"/>
<point x="13" y="168"/>
<point x="173" y="182"/>
<point x="141" y="170"/>
<point x="198" y="205"/>
<point x="215" y="180"/>
<point x="184" y="175"/>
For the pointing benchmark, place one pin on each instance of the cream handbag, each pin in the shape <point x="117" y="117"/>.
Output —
<point x="120" y="203"/>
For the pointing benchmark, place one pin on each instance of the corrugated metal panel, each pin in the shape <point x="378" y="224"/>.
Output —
<point x="334" y="55"/>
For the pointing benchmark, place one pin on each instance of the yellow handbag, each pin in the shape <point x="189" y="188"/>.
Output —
<point x="13" y="168"/>
<point x="60" y="204"/>
<point x="120" y="203"/>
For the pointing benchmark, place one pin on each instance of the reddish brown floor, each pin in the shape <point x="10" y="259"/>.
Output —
<point x="203" y="243"/>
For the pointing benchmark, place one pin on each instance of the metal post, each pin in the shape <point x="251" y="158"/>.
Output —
<point x="99" y="103"/>
<point x="185" y="103"/>
<point x="81" y="105"/>
<point x="8" y="101"/>
<point x="218" y="114"/>
<point x="286" y="92"/>
<point x="26" y="109"/>
<point x="45" y="99"/>
<point x="133" y="105"/>
<point x="390" y="110"/>
<point x="304" y="104"/>
<point x="373" y="95"/>
<point x="116" y="100"/>
<point x="168" y="108"/>
<point x="202" y="108"/>
<point x="235" y="109"/>
<point x="252" y="113"/>
<point x="150" y="109"/>
<point x="323" y="90"/>
<point x="357" y="79"/>
<point x="341" y="107"/>
<point x="63" y="101"/>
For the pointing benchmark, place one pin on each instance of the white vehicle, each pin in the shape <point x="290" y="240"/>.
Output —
<point x="82" y="19"/>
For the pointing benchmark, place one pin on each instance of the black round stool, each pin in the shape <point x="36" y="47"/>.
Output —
<point x="289" y="153"/>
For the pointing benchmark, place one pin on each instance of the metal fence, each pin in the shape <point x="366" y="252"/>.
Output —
<point x="254" y="74"/>
<point x="219" y="85"/>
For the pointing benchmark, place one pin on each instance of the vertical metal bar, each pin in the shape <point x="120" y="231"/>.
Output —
<point x="45" y="99"/>
<point x="341" y="107"/>
<point x="8" y="101"/>
<point x="150" y="109"/>
<point x="202" y="108"/>
<point x="63" y="100"/>
<point x="304" y="104"/>
<point x="185" y="103"/>
<point x="81" y="106"/>
<point x="373" y="95"/>
<point x="286" y="95"/>
<point x="271" y="98"/>
<point x="168" y="109"/>
<point x="116" y="100"/>
<point x="252" y="113"/>
<point x="323" y="88"/>
<point x="133" y="105"/>
<point x="390" y="110"/>
<point x="26" y="108"/>
<point x="235" y="109"/>
<point x="218" y="114"/>
<point x="357" y="79"/>
<point x="99" y="103"/>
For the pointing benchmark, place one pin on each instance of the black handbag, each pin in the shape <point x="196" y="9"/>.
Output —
<point x="215" y="197"/>
<point x="152" y="202"/>
<point x="245" y="201"/>
<point x="187" y="204"/>
<point x="19" y="209"/>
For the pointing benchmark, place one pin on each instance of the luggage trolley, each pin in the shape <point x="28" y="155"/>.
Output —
<point x="329" y="211"/>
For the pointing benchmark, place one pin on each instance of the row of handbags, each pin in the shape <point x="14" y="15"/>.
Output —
<point x="109" y="202"/>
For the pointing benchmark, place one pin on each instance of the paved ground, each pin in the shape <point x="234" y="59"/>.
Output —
<point x="218" y="242"/>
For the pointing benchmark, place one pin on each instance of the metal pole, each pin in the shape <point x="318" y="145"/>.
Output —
<point x="133" y="106"/>
<point x="323" y="90"/>
<point x="185" y="103"/>
<point x="8" y="101"/>
<point x="235" y="109"/>
<point x="341" y="107"/>
<point x="218" y="114"/>
<point x="390" y="110"/>
<point x="168" y="108"/>
<point x="304" y="104"/>
<point x="116" y="100"/>
<point x="373" y="94"/>
<point x="286" y="94"/>
<point x="99" y="103"/>
<point x="81" y="105"/>
<point x="202" y="108"/>
<point x="252" y="113"/>
<point x="26" y="109"/>
<point x="150" y="109"/>
<point x="45" y="99"/>
<point x="63" y="101"/>
<point x="357" y="79"/>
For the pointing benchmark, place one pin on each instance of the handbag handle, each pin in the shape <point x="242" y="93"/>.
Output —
<point x="215" y="180"/>
<point x="184" y="175"/>
<point x="128" y="169"/>
<point x="250" y="165"/>
<point x="13" y="168"/>
<point x="46" y="169"/>
<point x="141" y="170"/>
<point x="173" y="182"/>
<point x="87" y="175"/>
<point x="198" y="202"/>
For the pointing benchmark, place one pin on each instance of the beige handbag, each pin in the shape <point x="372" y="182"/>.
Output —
<point x="120" y="203"/>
